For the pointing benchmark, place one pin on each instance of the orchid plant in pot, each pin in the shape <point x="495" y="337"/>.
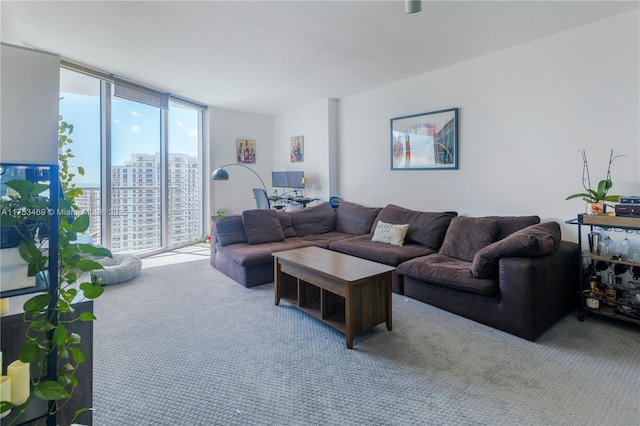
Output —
<point x="597" y="197"/>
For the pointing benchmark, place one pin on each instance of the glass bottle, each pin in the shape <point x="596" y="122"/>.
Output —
<point x="624" y="249"/>
<point x="607" y="247"/>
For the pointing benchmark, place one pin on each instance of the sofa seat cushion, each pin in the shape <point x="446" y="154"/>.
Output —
<point x="313" y="220"/>
<point x="362" y="246"/>
<point x="254" y="254"/>
<point x="262" y="226"/>
<point x="353" y="218"/>
<point x="324" y="240"/>
<point x="467" y="235"/>
<point x="426" y="228"/>
<point x="448" y="272"/>
<point x="534" y="240"/>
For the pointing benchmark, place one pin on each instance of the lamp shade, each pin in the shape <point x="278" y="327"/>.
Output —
<point x="412" y="6"/>
<point x="220" y="174"/>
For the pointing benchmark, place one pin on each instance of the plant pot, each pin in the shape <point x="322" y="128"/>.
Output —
<point x="595" y="208"/>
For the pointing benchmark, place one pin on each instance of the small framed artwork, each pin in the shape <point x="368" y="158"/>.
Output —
<point x="246" y="151"/>
<point x="297" y="149"/>
<point x="425" y="141"/>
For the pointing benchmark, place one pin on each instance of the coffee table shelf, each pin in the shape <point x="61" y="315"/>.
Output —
<point x="345" y="292"/>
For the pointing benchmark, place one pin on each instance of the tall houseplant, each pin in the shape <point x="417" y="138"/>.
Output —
<point x="47" y="333"/>
<point x="597" y="197"/>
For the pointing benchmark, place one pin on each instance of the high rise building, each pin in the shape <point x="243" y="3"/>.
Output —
<point x="136" y="213"/>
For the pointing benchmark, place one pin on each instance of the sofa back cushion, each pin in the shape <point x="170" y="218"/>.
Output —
<point x="426" y="228"/>
<point x="534" y="240"/>
<point x="229" y="230"/>
<point x="467" y="235"/>
<point x="353" y="218"/>
<point x="262" y="226"/>
<point x="285" y="223"/>
<point x="510" y="224"/>
<point x="313" y="220"/>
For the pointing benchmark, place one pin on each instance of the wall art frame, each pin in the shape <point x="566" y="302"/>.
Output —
<point x="297" y="149"/>
<point x="427" y="141"/>
<point x="246" y="151"/>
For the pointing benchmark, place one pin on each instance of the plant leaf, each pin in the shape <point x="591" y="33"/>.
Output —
<point x="50" y="390"/>
<point x="28" y="351"/>
<point x="87" y="265"/>
<point x="91" y="291"/>
<point x="37" y="303"/>
<point x="59" y="335"/>
<point x="87" y="316"/>
<point x="77" y="354"/>
<point x="81" y="223"/>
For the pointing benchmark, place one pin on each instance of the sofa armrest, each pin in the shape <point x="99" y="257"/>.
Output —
<point x="535" y="292"/>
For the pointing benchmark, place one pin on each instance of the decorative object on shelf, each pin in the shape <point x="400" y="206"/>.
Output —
<point x="246" y="151"/>
<point x="606" y="246"/>
<point x="297" y="149"/>
<point x="594" y="242"/>
<point x="18" y="372"/>
<point x="4" y="306"/>
<point x="596" y="198"/>
<point x="221" y="174"/>
<point x="425" y="141"/>
<point x="5" y="392"/>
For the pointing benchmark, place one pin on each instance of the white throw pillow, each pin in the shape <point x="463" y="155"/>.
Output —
<point x="390" y="233"/>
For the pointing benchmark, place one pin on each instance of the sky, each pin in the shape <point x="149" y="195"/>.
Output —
<point x="135" y="129"/>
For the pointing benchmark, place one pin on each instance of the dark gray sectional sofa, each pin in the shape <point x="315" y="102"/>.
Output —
<point x="511" y="273"/>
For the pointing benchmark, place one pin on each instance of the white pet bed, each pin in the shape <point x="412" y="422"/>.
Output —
<point x="120" y="268"/>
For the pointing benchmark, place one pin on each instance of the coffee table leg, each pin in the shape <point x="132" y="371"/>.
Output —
<point x="388" y="303"/>
<point x="348" y="315"/>
<point x="276" y="284"/>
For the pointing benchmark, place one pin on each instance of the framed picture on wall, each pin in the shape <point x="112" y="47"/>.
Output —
<point x="297" y="149"/>
<point x="246" y="151"/>
<point x="425" y="141"/>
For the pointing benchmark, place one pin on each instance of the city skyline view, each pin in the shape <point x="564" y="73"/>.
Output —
<point x="136" y="213"/>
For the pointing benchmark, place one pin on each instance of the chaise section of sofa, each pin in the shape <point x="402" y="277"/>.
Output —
<point x="510" y="273"/>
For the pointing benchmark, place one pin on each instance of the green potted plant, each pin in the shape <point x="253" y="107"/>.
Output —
<point x="48" y="313"/>
<point x="597" y="197"/>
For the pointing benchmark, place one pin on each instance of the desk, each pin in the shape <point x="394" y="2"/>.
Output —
<point x="277" y="202"/>
<point x="304" y="201"/>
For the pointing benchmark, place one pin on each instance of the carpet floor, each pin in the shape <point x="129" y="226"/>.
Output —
<point x="182" y="344"/>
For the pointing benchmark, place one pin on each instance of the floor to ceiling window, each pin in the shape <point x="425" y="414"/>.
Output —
<point x="80" y="107"/>
<point x="184" y="183"/>
<point x="136" y="220"/>
<point x="143" y="176"/>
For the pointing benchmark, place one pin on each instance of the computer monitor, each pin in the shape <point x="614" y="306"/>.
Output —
<point x="287" y="179"/>
<point x="294" y="179"/>
<point x="279" y="179"/>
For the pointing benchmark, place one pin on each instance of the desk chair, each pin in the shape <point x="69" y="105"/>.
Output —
<point x="262" y="202"/>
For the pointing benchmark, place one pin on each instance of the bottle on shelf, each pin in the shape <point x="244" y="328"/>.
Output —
<point x="610" y="291"/>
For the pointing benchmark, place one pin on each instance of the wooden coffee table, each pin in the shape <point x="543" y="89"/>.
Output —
<point x="346" y="292"/>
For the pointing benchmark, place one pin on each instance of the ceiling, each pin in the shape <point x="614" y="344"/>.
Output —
<point x="270" y="56"/>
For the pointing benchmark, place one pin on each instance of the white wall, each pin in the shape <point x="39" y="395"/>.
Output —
<point x="29" y="89"/>
<point x="316" y="122"/>
<point x="524" y="114"/>
<point x="225" y="126"/>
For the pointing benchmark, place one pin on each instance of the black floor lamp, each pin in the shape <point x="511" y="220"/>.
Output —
<point x="221" y="174"/>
